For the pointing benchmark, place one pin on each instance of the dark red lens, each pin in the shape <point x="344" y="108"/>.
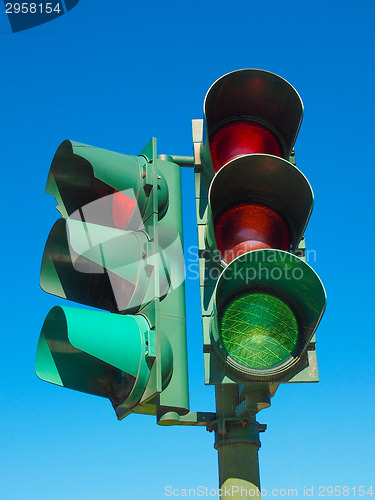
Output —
<point x="249" y="226"/>
<point x="242" y="138"/>
<point x="122" y="209"/>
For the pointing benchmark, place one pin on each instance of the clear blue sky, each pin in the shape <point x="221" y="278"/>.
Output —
<point x="114" y="74"/>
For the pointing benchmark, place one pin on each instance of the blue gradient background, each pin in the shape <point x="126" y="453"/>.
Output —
<point x="113" y="75"/>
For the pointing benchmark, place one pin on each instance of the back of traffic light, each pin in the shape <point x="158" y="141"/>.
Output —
<point x="117" y="248"/>
<point x="261" y="302"/>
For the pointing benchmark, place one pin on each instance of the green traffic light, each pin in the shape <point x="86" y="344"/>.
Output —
<point x="259" y="331"/>
<point x="267" y="305"/>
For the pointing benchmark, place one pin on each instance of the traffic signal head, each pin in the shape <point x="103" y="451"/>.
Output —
<point x="97" y="254"/>
<point x="118" y="248"/>
<point x="266" y="306"/>
<point x="246" y="112"/>
<point x="103" y="187"/>
<point x="261" y="303"/>
<point x="257" y="201"/>
<point x="99" y="353"/>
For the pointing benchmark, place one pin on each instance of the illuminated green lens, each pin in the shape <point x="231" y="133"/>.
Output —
<point x="259" y="331"/>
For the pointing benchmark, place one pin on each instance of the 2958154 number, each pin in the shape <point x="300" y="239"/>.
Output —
<point x="345" y="491"/>
<point x="32" y="8"/>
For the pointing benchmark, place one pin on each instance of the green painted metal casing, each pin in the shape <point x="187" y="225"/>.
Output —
<point x="87" y="259"/>
<point x="73" y="351"/>
<point x="269" y="271"/>
<point x="137" y="361"/>
<point x="265" y="179"/>
<point x="168" y="314"/>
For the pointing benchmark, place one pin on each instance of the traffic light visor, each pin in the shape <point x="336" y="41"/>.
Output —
<point x="257" y="198"/>
<point x="250" y="111"/>
<point x="90" y="351"/>
<point x="101" y="186"/>
<point x="267" y="305"/>
<point x="98" y="266"/>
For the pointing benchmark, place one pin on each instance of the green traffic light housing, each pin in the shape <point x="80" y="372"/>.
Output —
<point x="99" y="353"/>
<point x="102" y="253"/>
<point x="253" y="206"/>
<point x="261" y="302"/>
<point x="118" y="247"/>
<point x="266" y="307"/>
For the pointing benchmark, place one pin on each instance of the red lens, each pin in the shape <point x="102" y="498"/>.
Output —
<point x="122" y="209"/>
<point x="249" y="226"/>
<point x="242" y="138"/>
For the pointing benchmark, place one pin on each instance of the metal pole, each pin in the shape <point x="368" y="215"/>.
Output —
<point x="237" y="442"/>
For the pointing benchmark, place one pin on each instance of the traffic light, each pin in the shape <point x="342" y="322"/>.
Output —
<point x="261" y="301"/>
<point x="118" y="248"/>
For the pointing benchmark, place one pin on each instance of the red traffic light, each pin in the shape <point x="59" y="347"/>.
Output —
<point x="249" y="226"/>
<point x="122" y="209"/>
<point x="246" y="112"/>
<point x="257" y="201"/>
<point x="239" y="138"/>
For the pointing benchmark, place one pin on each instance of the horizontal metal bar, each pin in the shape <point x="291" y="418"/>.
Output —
<point x="183" y="161"/>
<point x="196" y="418"/>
